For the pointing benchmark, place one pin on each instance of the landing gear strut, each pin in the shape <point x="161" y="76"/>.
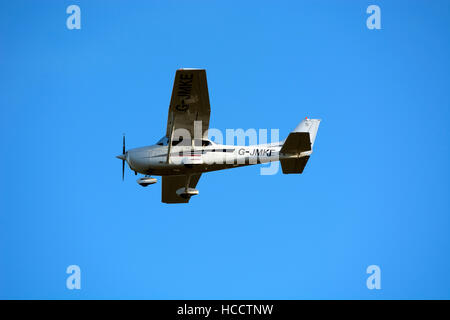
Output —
<point x="186" y="192"/>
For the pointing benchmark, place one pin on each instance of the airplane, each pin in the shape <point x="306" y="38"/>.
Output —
<point x="180" y="159"/>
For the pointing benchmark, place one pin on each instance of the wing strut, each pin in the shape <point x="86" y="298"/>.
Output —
<point x="169" y="145"/>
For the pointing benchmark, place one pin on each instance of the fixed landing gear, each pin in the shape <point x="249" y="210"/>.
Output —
<point x="186" y="192"/>
<point x="146" y="181"/>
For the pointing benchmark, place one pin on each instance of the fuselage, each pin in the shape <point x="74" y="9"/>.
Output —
<point x="153" y="160"/>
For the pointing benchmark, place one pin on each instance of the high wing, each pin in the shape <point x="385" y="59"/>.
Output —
<point x="170" y="185"/>
<point x="189" y="102"/>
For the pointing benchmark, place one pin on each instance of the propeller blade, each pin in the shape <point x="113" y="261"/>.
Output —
<point x="123" y="157"/>
<point x="123" y="169"/>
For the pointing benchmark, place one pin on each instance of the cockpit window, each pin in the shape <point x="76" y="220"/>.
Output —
<point x="180" y="141"/>
<point x="176" y="142"/>
<point x="164" y="141"/>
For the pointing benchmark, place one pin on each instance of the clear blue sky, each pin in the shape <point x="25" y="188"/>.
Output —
<point x="376" y="190"/>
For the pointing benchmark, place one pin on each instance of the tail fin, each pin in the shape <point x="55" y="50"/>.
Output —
<point x="311" y="126"/>
<point x="300" y="140"/>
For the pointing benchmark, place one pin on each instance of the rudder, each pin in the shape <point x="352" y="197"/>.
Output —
<point x="300" y="140"/>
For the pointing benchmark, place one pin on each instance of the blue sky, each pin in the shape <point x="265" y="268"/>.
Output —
<point x="375" y="190"/>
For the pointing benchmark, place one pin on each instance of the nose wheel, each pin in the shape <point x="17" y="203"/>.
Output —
<point x="146" y="181"/>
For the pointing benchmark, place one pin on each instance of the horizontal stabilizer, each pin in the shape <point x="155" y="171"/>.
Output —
<point x="295" y="165"/>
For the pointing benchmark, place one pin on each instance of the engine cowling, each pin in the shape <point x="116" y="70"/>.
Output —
<point x="146" y="181"/>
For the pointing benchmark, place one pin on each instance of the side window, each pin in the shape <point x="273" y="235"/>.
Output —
<point x="202" y="143"/>
<point x="181" y="142"/>
<point x="177" y="142"/>
<point x="186" y="142"/>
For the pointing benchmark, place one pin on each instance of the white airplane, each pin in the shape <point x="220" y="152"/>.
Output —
<point x="181" y="160"/>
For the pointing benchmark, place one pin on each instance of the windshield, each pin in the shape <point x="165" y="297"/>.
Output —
<point x="163" y="141"/>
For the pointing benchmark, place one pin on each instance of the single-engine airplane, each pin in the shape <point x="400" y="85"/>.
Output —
<point x="181" y="160"/>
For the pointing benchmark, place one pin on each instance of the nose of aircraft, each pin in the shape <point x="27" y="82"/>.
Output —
<point x="122" y="156"/>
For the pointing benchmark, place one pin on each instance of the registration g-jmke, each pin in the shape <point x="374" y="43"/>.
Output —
<point x="185" y="152"/>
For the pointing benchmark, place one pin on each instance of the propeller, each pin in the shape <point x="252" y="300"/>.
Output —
<point x="123" y="157"/>
<point x="123" y="160"/>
